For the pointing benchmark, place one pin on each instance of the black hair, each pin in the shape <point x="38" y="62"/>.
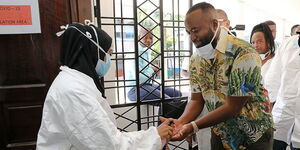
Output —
<point x="293" y="27"/>
<point x="270" y="22"/>
<point x="264" y="28"/>
<point x="203" y="6"/>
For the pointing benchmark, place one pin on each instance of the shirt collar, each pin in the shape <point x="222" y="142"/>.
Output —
<point x="222" y="42"/>
<point x="77" y="74"/>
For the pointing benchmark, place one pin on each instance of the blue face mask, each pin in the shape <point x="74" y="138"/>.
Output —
<point x="101" y="66"/>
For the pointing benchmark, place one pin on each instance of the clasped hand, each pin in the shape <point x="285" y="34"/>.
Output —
<point x="180" y="130"/>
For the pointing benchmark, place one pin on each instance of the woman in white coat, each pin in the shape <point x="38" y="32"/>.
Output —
<point x="282" y="84"/>
<point x="76" y="115"/>
<point x="295" y="139"/>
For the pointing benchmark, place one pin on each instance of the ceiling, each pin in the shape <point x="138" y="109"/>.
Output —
<point x="285" y="9"/>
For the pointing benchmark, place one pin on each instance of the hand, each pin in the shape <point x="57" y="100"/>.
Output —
<point x="165" y="130"/>
<point x="185" y="130"/>
<point x="177" y="124"/>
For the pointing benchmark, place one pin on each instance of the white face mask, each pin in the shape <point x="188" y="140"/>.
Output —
<point x="207" y="51"/>
<point x="262" y="56"/>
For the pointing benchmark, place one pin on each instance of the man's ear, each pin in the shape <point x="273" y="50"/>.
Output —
<point x="228" y="23"/>
<point x="215" y="24"/>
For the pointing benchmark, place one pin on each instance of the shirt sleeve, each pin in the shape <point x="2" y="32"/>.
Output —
<point x="194" y="75"/>
<point x="87" y="126"/>
<point x="296" y="133"/>
<point x="245" y="77"/>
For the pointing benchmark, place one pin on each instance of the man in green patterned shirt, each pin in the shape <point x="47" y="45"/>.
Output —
<point x="225" y="77"/>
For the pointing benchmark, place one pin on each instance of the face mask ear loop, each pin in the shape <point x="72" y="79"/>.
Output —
<point x="216" y="32"/>
<point x="88" y="38"/>
<point x="97" y="40"/>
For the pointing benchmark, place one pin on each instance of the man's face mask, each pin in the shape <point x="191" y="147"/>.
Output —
<point x="101" y="67"/>
<point x="207" y="51"/>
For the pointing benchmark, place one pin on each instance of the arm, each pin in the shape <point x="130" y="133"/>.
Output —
<point x="91" y="127"/>
<point x="196" y="104"/>
<point x="185" y="73"/>
<point x="232" y="106"/>
<point x="192" y="109"/>
<point x="191" y="112"/>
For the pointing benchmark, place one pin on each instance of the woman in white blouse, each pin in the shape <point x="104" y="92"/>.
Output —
<point x="262" y="40"/>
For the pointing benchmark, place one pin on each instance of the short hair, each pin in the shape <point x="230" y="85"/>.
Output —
<point x="269" y="22"/>
<point x="293" y="28"/>
<point x="264" y="28"/>
<point x="203" y="6"/>
<point x="220" y="11"/>
<point x="145" y="29"/>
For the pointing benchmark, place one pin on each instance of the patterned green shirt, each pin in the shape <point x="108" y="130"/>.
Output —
<point x="235" y="71"/>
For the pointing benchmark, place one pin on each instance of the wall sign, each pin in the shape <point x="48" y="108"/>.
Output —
<point x="19" y="17"/>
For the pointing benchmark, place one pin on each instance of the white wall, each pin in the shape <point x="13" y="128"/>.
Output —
<point x="285" y="13"/>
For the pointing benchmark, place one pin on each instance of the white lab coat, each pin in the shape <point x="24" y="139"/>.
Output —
<point x="282" y="84"/>
<point x="296" y="133"/>
<point x="76" y="117"/>
<point x="264" y="71"/>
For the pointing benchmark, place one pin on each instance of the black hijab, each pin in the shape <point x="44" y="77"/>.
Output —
<point x="79" y="53"/>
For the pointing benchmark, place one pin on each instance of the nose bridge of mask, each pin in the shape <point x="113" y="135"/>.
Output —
<point x="88" y="35"/>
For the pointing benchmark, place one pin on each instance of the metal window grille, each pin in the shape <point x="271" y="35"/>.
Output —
<point x="122" y="19"/>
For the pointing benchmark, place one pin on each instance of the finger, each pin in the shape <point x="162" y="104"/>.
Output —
<point x="162" y="119"/>
<point x="173" y="125"/>
<point x="169" y="137"/>
<point x="170" y="133"/>
<point x="176" y="137"/>
<point x="167" y="121"/>
<point x="171" y="120"/>
<point x="170" y="129"/>
<point x="182" y="132"/>
<point x="176" y="130"/>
